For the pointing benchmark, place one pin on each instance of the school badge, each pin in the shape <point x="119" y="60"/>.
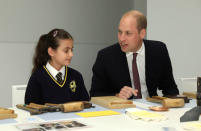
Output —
<point x="73" y="86"/>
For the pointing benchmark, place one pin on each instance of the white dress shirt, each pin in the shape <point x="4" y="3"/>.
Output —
<point x="54" y="71"/>
<point x="140" y="60"/>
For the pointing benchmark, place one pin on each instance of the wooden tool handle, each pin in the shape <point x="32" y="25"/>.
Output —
<point x="36" y="106"/>
<point x="190" y="94"/>
<point x="173" y="102"/>
<point x="73" y="106"/>
<point x="51" y="104"/>
<point x="32" y="111"/>
<point x="86" y="104"/>
<point x="6" y="111"/>
<point x="6" y="116"/>
<point x="186" y="99"/>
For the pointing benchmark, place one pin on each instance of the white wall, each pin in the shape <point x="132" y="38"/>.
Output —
<point x="178" y="24"/>
<point x="141" y="5"/>
<point x="87" y="20"/>
<point x="93" y="24"/>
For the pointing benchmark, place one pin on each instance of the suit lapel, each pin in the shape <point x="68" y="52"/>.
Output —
<point x="125" y="75"/>
<point x="149" y="67"/>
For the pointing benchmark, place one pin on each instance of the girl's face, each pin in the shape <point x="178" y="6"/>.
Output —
<point x="62" y="55"/>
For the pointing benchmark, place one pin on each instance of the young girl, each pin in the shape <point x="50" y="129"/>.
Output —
<point x="52" y="81"/>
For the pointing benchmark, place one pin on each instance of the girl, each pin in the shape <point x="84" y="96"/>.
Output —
<point x="52" y="81"/>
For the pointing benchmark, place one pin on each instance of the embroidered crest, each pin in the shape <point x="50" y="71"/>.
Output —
<point x="73" y="86"/>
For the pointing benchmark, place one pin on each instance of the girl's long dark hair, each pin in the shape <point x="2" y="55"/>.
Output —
<point x="41" y="56"/>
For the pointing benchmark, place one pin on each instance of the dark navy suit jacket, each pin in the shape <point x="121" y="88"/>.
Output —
<point x="111" y="73"/>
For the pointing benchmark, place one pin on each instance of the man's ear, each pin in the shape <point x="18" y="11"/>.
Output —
<point x="51" y="51"/>
<point x="142" y="33"/>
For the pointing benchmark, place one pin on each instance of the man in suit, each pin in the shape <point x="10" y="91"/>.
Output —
<point x="133" y="66"/>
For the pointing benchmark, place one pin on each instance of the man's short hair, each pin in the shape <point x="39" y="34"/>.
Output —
<point x="140" y="19"/>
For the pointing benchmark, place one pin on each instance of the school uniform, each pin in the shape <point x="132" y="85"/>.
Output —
<point x="43" y="87"/>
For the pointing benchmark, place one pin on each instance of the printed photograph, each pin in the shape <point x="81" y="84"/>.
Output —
<point x="51" y="126"/>
<point x="72" y="124"/>
<point x="34" y="129"/>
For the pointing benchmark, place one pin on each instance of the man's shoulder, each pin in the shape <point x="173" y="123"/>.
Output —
<point x="153" y="43"/>
<point x="155" y="47"/>
<point x="112" y="49"/>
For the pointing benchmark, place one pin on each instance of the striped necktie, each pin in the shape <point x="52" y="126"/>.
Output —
<point x="59" y="78"/>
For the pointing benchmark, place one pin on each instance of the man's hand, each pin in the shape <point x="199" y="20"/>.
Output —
<point x="126" y="92"/>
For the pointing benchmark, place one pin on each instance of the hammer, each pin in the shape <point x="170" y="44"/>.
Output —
<point x="167" y="102"/>
<point x="67" y="107"/>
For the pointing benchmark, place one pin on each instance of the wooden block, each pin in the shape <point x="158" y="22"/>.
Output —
<point x="112" y="102"/>
<point x="190" y="94"/>
<point x="159" y="97"/>
<point x="173" y="102"/>
<point x="154" y="100"/>
<point x="7" y="116"/>
<point x="6" y="111"/>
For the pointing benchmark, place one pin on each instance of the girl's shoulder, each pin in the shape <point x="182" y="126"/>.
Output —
<point x="73" y="72"/>
<point x="39" y="72"/>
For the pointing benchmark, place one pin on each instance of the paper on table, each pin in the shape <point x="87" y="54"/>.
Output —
<point x="7" y="121"/>
<point x="98" y="113"/>
<point x="144" y="115"/>
<point x="192" y="126"/>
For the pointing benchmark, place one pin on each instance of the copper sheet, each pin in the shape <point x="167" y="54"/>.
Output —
<point x="158" y="108"/>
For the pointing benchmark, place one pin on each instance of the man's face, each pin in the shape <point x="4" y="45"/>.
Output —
<point x="129" y="38"/>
